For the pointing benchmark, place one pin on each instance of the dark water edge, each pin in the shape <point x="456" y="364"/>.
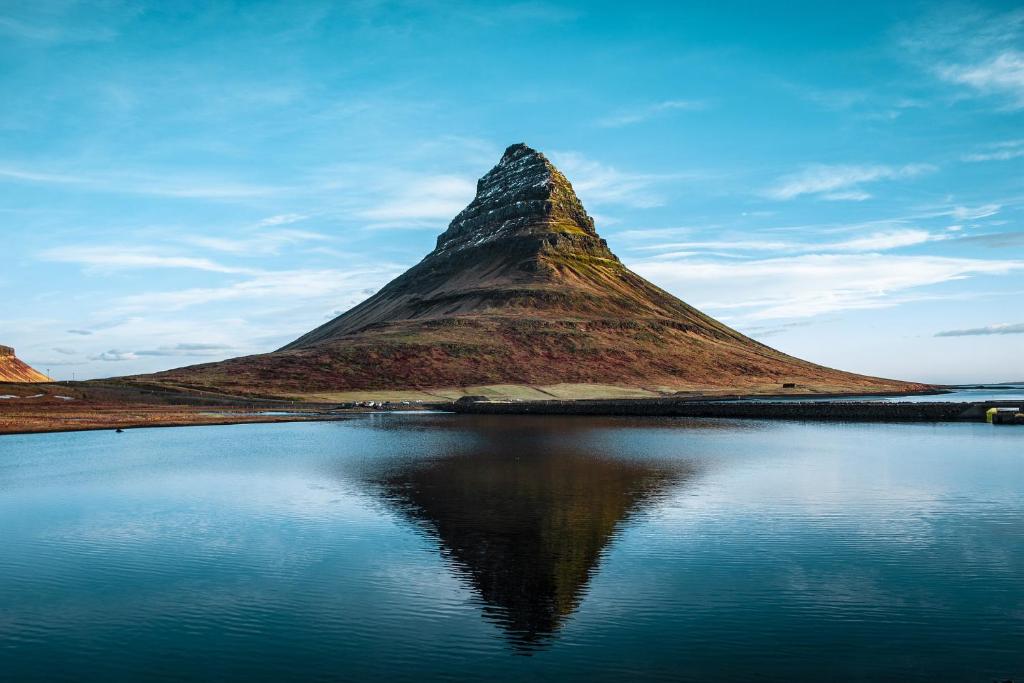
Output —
<point x="444" y="547"/>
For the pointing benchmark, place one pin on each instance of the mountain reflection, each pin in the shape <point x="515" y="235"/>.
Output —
<point x="524" y="512"/>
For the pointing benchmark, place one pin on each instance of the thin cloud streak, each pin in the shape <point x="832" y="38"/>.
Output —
<point x="881" y="241"/>
<point x="1003" y="74"/>
<point x="110" y="258"/>
<point x="163" y="185"/>
<point x="840" y="181"/>
<point x="998" y="328"/>
<point x="812" y="284"/>
<point x="999" y="151"/>
<point x="641" y="114"/>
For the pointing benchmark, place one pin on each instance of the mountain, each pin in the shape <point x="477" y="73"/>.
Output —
<point x="519" y="290"/>
<point x="12" y="369"/>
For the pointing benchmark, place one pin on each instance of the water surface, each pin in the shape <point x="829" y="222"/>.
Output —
<point x="417" y="547"/>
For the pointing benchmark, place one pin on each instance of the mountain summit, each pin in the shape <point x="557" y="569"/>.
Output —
<point x="520" y="290"/>
<point x="498" y="254"/>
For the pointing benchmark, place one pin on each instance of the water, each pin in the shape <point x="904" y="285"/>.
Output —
<point x="421" y="547"/>
<point x="964" y="394"/>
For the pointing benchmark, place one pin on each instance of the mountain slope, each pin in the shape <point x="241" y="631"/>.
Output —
<point x="520" y="289"/>
<point x="12" y="369"/>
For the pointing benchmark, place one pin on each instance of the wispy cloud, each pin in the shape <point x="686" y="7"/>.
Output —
<point x="261" y="243"/>
<point x="110" y="258"/>
<point x="998" y="328"/>
<point x="430" y="199"/>
<point x="764" y="331"/>
<point x="63" y="22"/>
<point x="30" y="175"/>
<point x="599" y="183"/>
<point x="973" y="213"/>
<point x="840" y="181"/>
<point x="188" y="350"/>
<point x="195" y="186"/>
<point x="996" y="240"/>
<point x="114" y="356"/>
<point x="640" y="114"/>
<point x="879" y="241"/>
<point x="287" y="285"/>
<point x="812" y="284"/>
<point x="975" y="49"/>
<point x="1003" y="74"/>
<point x="998" y="151"/>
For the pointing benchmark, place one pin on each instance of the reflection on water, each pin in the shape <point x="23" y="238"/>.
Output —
<point x="524" y="515"/>
<point x="439" y="547"/>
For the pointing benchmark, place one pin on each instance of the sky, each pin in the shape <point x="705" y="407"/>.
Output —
<point x="185" y="182"/>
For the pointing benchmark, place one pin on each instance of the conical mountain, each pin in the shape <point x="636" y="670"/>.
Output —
<point x="521" y="290"/>
<point x="13" y="369"/>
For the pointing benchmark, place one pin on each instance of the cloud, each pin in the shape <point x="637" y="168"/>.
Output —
<point x="1002" y="74"/>
<point x="63" y="22"/>
<point x="190" y="350"/>
<point x="64" y="350"/>
<point x="764" y="331"/>
<point x="879" y="241"/>
<point x="640" y="114"/>
<point x="81" y="332"/>
<point x="262" y="243"/>
<point x="433" y="198"/>
<point x="113" y="355"/>
<point x="998" y="151"/>
<point x="39" y="176"/>
<point x="110" y="258"/>
<point x="288" y="285"/>
<point x="281" y="219"/>
<point x="996" y="239"/>
<point x="967" y="213"/>
<point x="883" y="241"/>
<point x="192" y="187"/>
<point x="998" y="328"/>
<point x="840" y="181"/>
<point x="811" y="284"/>
<point x="975" y="49"/>
<point x="597" y="183"/>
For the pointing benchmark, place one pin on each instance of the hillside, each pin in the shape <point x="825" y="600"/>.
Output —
<point x="520" y="290"/>
<point x="12" y="369"/>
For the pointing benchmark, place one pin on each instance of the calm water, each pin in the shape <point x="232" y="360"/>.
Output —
<point x="1009" y="392"/>
<point x="417" y="547"/>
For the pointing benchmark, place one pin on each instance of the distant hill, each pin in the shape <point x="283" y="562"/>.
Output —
<point x="12" y="369"/>
<point x="520" y="290"/>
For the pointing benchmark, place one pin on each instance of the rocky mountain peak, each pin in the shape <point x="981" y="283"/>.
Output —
<point x="524" y="194"/>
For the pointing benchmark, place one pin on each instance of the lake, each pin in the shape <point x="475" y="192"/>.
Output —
<point x="407" y="547"/>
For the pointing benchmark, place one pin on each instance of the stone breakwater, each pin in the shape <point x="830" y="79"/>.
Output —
<point x="838" y="411"/>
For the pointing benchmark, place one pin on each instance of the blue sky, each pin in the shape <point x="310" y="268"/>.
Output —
<point x="187" y="182"/>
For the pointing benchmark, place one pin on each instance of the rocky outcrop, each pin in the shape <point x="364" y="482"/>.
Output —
<point x="520" y="289"/>
<point x="12" y="369"/>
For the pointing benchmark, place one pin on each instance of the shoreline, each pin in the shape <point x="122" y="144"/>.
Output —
<point x="269" y="419"/>
<point x="46" y="417"/>
<point x="789" y="408"/>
